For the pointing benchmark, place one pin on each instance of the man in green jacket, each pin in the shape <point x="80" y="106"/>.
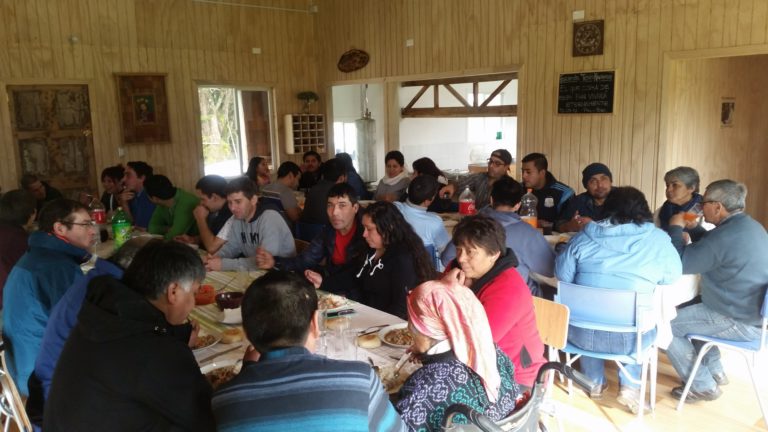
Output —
<point x="173" y="214"/>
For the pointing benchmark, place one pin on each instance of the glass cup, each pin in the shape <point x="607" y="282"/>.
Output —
<point x="693" y="213"/>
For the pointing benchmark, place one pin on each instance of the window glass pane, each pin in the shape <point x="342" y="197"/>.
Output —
<point x="222" y="151"/>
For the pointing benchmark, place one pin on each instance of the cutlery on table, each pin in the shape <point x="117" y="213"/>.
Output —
<point x="214" y="355"/>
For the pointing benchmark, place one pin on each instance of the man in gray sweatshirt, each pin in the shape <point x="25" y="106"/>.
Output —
<point x="251" y="226"/>
<point x="733" y="262"/>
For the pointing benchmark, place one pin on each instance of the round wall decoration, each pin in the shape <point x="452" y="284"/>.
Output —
<point x="353" y="60"/>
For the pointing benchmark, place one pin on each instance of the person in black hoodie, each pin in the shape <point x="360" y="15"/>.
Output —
<point x="127" y="365"/>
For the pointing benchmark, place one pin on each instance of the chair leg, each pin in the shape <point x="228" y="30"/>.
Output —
<point x="643" y="381"/>
<point x="654" y="376"/>
<point x="702" y="352"/>
<point x="750" y="365"/>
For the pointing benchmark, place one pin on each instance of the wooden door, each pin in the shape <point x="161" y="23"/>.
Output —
<point x="51" y="126"/>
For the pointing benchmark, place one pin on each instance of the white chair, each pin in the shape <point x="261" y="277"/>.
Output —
<point x="11" y="407"/>
<point x="614" y="310"/>
<point x="750" y="350"/>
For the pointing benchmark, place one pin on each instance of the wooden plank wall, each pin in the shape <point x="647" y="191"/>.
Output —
<point x="474" y="36"/>
<point x="739" y="152"/>
<point x="190" y="42"/>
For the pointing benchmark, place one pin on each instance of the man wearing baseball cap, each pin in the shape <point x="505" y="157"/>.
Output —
<point x="587" y="206"/>
<point x="480" y="183"/>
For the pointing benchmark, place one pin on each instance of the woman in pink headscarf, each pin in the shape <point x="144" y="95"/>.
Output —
<point x="461" y="364"/>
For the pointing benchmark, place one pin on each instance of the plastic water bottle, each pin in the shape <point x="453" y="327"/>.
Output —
<point x="99" y="216"/>
<point x="121" y="227"/>
<point x="467" y="202"/>
<point x="528" y="205"/>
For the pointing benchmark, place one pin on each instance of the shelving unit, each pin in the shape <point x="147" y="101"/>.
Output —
<point x="304" y="132"/>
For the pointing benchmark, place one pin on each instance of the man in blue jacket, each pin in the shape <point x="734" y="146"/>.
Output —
<point x="40" y="279"/>
<point x="733" y="262"/>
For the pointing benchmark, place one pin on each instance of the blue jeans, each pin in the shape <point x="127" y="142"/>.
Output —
<point x="610" y="343"/>
<point x="699" y="318"/>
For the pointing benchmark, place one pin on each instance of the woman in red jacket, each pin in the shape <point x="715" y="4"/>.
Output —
<point x="487" y="267"/>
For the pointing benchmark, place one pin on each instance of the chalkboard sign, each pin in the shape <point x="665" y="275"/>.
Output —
<point x="589" y="92"/>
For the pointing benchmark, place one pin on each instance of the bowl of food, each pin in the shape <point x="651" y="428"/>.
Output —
<point x="229" y="300"/>
<point x="396" y="335"/>
<point x="221" y="371"/>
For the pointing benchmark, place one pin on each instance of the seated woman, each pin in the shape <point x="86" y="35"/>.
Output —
<point x="395" y="263"/>
<point x="425" y="166"/>
<point x="623" y="251"/>
<point x="258" y="171"/>
<point x="682" y="193"/>
<point x="393" y="185"/>
<point x="112" y="180"/>
<point x="488" y="269"/>
<point x="453" y="340"/>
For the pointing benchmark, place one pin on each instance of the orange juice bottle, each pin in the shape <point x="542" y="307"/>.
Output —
<point x="528" y="209"/>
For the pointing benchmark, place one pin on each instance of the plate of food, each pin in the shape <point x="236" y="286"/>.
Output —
<point x="221" y="371"/>
<point x="396" y="335"/>
<point x="331" y="302"/>
<point x="391" y="383"/>
<point x="204" y="341"/>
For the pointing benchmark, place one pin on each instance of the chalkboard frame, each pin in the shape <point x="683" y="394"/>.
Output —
<point x="601" y="103"/>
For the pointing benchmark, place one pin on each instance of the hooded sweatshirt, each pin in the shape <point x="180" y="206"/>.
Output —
<point x="623" y="256"/>
<point x="131" y="369"/>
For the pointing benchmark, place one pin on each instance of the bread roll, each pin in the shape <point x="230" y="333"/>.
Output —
<point x="232" y="335"/>
<point x="369" y="341"/>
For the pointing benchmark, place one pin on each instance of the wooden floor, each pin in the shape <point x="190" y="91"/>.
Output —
<point x="736" y="410"/>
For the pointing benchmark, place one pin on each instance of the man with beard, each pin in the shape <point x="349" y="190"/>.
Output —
<point x="587" y="206"/>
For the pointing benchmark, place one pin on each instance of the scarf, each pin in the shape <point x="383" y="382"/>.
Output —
<point x="391" y="181"/>
<point x="669" y="209"/>
<point x="446" y="311"/>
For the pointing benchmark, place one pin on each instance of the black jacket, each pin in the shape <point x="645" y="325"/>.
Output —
<point x="125" y="368"/>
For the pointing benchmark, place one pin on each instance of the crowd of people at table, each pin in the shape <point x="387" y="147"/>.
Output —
<point x="110" y="348"/>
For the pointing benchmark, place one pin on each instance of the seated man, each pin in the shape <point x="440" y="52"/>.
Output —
<point x="531" y="248"/>
<point x="427" y="225"/>
<point x="127" y="364"/>
<point x="552" y="194"/>
<point x="40" y="278"/>
<point x="310" y="170"/>
<point x="281" y="321"/>
<point x="249" y="228"/>
<point x="42" y="191"/>
<point x="480" y="183"/>
<point x="333" y="172"/>
<point x="211" y="214"/>
<point x="134" y="199"/>
<point x="733" y="262"/>
<point x="339" y="245"/>
<point x="288" y="176"/>
<point x="173" y="212"/>
<point x="588" y="206"/>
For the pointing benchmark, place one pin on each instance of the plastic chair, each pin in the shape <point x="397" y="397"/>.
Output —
<point x="614" y="310"/>
<point x="11" y="407"/>
<point x="432" y="252"/>
<point x="750" y="350"/>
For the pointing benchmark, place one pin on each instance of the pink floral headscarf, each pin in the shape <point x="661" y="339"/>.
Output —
<point x="445" y="310"/>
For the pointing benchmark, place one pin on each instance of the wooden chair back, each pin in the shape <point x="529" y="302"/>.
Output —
<point x="552" y="322"/>
<point x="301" y="245"/>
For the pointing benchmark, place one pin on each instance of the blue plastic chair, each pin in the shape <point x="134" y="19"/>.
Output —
<point x="614" y="310"/>
<point x="434" y="256"/>
<point x="750" y="350"/>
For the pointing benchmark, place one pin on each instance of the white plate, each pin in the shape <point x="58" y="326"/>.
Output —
<point x="215" y="341"/>
<point x="219" y="364"/>
<point x="388" y="329"/>
<point x="344" y="302"/>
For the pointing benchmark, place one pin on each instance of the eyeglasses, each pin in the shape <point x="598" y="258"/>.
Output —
<point x="495" y="163"/>
<point x="88" y="224"/>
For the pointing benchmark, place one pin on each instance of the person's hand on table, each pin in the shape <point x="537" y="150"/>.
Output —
<point x="264" y="259"/>
<point x="194" y="334"/>
<point x="314" y="278"/>
<point x="212" y="262"/>
<point x="251" y="355"/>
<point x="448" y="189"/>
<point x="576" y="223"/>
<point x="200" y="212"/>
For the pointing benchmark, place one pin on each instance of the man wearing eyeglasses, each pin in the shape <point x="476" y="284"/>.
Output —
<point x="40" y="279"/>
<point x="733" y="262"/>
<point x="480" y="183"/>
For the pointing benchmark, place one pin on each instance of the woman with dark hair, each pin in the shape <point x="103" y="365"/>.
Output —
<point x="112" y="180"/>
<point x="487" y="267"/>
<point x="682" y="193"/>
<point x="453" y="340"/>
<point x="395" y="263"/>
<point x="426" y="166"/>
<point x="258" y="171"/>
<point x="393" y="185"/>
<point x="623" y="251"/>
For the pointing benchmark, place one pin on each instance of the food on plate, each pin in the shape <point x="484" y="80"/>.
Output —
<point x="370" y="340"/>
<point x="232" y="335"/>
<point x="387" y="377"/>
<point x="205" y="295"/>
<point x="330" y="301"/>
<point x="222" y="375"/>
<point x="401" y="336"/>
<point x="205" y="341"/>
<point x="338" y="323"/>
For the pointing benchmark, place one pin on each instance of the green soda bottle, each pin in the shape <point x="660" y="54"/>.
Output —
<point x="121" y="228"/>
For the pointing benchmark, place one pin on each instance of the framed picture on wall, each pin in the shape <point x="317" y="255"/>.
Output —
<point x="143" y="107"/>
